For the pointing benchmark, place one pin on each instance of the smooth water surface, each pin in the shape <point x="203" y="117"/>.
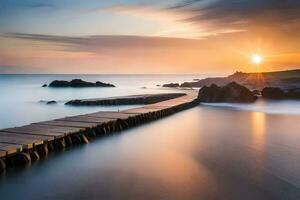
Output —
<point x="20" y="95"/>
<point x="202" y="153"/>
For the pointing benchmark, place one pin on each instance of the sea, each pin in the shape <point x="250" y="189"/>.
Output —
<point x="211" y="151"/>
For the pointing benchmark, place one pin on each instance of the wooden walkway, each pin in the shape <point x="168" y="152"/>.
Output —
<point x="23" y="144"/>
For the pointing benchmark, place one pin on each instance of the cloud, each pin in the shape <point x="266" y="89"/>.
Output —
<point x="243" y="14"/>
<point x="101" y="42"/>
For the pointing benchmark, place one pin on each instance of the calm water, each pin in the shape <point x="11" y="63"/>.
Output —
<point x="214" y="151"/>
<point x="21" y="94"/>
<point x="201" y="153"/>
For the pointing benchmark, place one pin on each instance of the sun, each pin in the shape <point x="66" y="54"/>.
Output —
<point x="256" y="59"/>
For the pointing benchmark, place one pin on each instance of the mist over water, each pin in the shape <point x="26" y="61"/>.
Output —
<point x="21" y="94"/>
<point x="212" y="151"/>
<point x="201" y="153"/>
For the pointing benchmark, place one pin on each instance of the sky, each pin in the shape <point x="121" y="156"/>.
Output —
<point x="148" y="36"/>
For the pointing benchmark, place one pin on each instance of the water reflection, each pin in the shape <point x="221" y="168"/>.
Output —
<point x="201" y="153"/>
<point x="259" y="130"/>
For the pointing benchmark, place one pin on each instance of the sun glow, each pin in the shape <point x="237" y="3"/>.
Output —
<point x="256" y="59"/>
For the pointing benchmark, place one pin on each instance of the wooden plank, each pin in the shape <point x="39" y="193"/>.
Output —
<point x="51" y="128"/>
<point x="141" y="110"/>
<point x="36" y="138"/>
<point x="111" y="115"/>
<point x="10" y="148"/>
<point x="33" y="132"/>
<point x="87" y="119"/>
<point x="69" y="124"/>
<point x="26" y="143"/>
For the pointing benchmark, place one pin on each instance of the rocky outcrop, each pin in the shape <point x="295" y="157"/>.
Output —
<point x="293" y="94"/>
<point x="276" y="93"/>
<point x="186" y="84"/>
<point x="172" y="85"/>
<point x="273" y="93"/>
<point x="78" y="83"/>
<point x="51" y="102"/>
<point x="231" y="92"/>
<point x="127" y="100"/>
<point x="284" y="79"/>
<point x="45" y="85"/>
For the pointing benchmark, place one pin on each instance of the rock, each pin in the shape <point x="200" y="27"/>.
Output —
<point x="78" y="83"/>
<point x="273" y="93"/>
<point x="173" y="85"/>
<point x="231" y="92"/>
<point x="256" y="92"/>
<point x="157" y="85"/>
<point x="51" y="102"/>
<point x="45" y="85"/>
<point x="186" y="84"/>
<point x="209" y="94"/>
<point x="293" y="94"/>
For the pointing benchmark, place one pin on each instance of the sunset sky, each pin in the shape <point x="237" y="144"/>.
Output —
<point x="148" y="36"/>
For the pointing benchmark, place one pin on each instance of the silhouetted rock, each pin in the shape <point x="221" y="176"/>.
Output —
<point x="45" y="85"/>
<point x="256" y="92"/>
<point x="127" y="100"/>
<point x="173" y="85"/>
<point x="231" y="92"/>
<point x="273" y="93"/>
<point x="78" y="83"/>
<point x="51" y="102"/>
<point x="186" y="84"/>
<point x="293" y="94"/>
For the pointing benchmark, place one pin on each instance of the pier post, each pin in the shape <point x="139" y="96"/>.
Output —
<point x="34" y="156"/>
<point x="20" y="158"/>
<point x="42" y="150"/>
<point x="2" y="165"/>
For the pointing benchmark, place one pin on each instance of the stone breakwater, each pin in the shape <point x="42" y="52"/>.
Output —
<point x="26" y="144"/>
<point x="126" y="100"/>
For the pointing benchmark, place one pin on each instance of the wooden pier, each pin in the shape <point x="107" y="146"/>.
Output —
<point x="25" y="144"/>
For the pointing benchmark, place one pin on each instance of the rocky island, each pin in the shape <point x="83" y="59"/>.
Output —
<point x="289" y="79"/>
<point x="78" y="83"/>
<point x="231" y="92"/>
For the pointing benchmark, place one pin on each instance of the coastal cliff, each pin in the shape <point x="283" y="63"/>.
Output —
<point x="289" y="79"/>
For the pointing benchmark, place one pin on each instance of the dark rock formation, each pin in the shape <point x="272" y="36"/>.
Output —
<point x="256" y="93"/>
<point x="293" y="94"/>
<point x="186" y="84"/>
<point x="231" y="92"/>
<point x="127" y="100"/>
<point x="284" y="79"/>
<point x="45" y="85"/>
<point x="172" y="85"/>
<point x="51" y="102"/>
<point x="273" y="93"/>
<point x="78" y="83"/>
